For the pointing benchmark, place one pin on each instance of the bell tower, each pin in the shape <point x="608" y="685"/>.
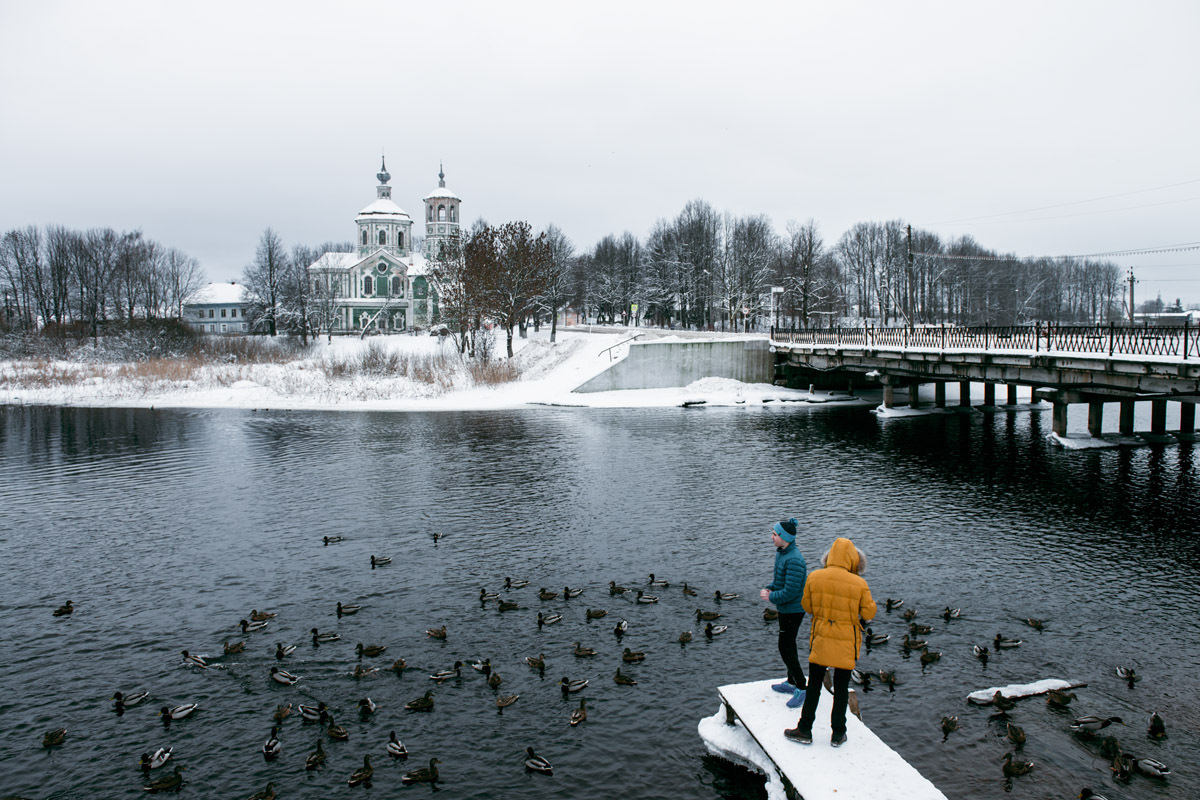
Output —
<point x="442" y="219"/>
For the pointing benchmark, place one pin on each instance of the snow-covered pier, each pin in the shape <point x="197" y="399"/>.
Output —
<point x="748" y="730"/>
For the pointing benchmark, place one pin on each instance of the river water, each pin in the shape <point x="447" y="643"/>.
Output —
<point x="165" y="528"/>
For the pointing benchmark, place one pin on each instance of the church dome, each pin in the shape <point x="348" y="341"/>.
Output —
<point x="382" y="209"/>
<point x="440" y="191"/>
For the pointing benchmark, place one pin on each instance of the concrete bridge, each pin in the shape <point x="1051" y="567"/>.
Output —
<point x="1063" y="364"/>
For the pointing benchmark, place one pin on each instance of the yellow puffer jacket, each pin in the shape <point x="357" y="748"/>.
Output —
<point x="836" y="597"/>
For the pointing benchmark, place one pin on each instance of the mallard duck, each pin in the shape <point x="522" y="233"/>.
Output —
<point x="888" y="678"/>
<point x="344" y="611"/>
<point x="951" y="613"/>
<point x="282" y="652"/>
<point x="178" y="712"/>
<point x="928" y="657"/>
<point x="1157" y="729"/>
<point x="620" y="628"/>
<point x="367" y="706"/>
<point x="1002" y="642"/>
<point x="859" y="677"/>
<point x="622" y="679"/>
<point x="234" y="648"/>
<point x="54" y="738"/>
<point x="596" y="613"/>
<point x="1128" y="674"/>
<point x="484" y="666"/>
<point x="546" y="594"/>
<point x="266" y="794"/>
<point x="261" y="616"/>
<point x="707" y="615"/>
<point x="283" y="676"/>
<point x="362" y="775"/>
<point x="613" y="589"/>
<point x="395" y="747"/>
<point x="170" y="783"/>
<point x="424" y="774"/>
<point x="872" y="639"/>
<point x="494" y="680"/>
<point x="569" y="593"/>
<point x="1109" y="746"/>
<point x="1092" y="724"/>
<point x="505" y="605"/>
<point x="632" y="656"/>
<point x="370" y="650"/>
<point x="1036" y="624"/>
<point x="536" y="763"/>
<point x="193" y="660"/>
<point x="485" y="595"/>
<point x="981" y="652"/>
<point x="363" y="672"/>
<point x="398" y="666"/>
<point x="437" y="633"/>
<point x="909" y="615"/>
<point x="123" y="701"/>
<point x="506" y="700"/>
<point x="1087" y="794"/>
<point x="711" y="630"/>
<point x="949" y="726"/>
<point x="316" y="758"/>
<point x="422" y="703"/>
<point x="685" y="637"/>
<point x="688" y="591"/>
<point x="312" y="713"/>
<point x="447" y="674"/>
<point x="569" y="686"/>
<point x="1152" y="767"/>
<point x="645" y="598"/>
<point x="719" y="596"/>
<point x="583" y="652"/>
<point x="250" y="627"/>
<point x="161" y="756"/>
<point x="1059" y="697"/>
<point x="770" y="615"/>
<point x="437" y="536"/>
<point x="1015" y="734"/>
<point x="1014" y="768"/>
<point x="282" y="712"/>
<point x="1003" y="703"/>
<point x="536" y="663"/>
<point x="333" y="730"/>
<point x="1122" y="768"/>
<point x="548" y="619"/>
<point x="908" y="643"/>
<point x="65" y="609"/>
<point x="917" y="630"/>
<point x="272" y="745"/>
<point x="656" y="582"/>
<point x="580" y="714"/>
<point x="322" y="638"/>
<point x="509" y="583"/>
<point x="333" y="539"/>
<point x="890" y="604"/>
<point x="380" y="561"/>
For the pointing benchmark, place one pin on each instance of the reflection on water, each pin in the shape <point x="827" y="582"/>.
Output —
<point x="166" y="528"/>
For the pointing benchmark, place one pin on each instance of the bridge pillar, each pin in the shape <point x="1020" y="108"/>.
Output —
<point x="964" y="393"/>
<point x="1095" y="418"/>
<point x="914" y="395"/>
<point x="1187" y="417"/>
<point x="1158" y="416"/>
<point x="989" y="394"/>
<point x="889" y="396"/>
<point x="1059" y="422"/>
<point x="1126" y="421"/>
<point x="1012" y="394"/>
<point x="939" y="394"/>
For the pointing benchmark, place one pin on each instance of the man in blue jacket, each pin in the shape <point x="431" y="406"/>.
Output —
<point x="785" y="592"/>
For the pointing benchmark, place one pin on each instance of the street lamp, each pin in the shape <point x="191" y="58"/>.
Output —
<point x="776" y="302"/>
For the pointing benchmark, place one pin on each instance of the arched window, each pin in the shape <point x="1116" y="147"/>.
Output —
<point x="397" y="286"/>
<point x="454" y="213"/>
<point x="364" y="236"/>
<point x="367" y="284"/>
<point x="400" y="240"/>
<point x="429" y="213"/>
<point x="441" y="213"/>
<point x="383" y="237"/>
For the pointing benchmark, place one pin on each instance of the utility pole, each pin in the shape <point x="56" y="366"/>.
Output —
<point x="1131" y="306"/>
<point x="910" y="289"/>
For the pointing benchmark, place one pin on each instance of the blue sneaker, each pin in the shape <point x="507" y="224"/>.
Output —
<point x="783" y="688"/>
<point x="797" y="699"/>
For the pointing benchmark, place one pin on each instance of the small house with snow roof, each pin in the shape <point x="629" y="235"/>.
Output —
<point x="218" y="308"/>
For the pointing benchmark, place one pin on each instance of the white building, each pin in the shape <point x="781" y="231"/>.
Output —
<point x="218" y="308"/>
<point x="384" y="284"/>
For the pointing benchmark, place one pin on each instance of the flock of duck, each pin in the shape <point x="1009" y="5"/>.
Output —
<point x="1090" y="729"/>
<point x="320" y="714"/>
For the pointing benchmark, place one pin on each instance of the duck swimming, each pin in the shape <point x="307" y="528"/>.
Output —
<point x="583" y="652"/>
<point x="364" y="672"/>
<point x="506" y="700"/>
<point x="250" y="627"/>
<point x="685" y="637"/>
<point x="547" y="619"/>
<point x="396" y="748"/>
<point x="613" y="589"/>
<point x="1015" y="734"/>
<point x="890" y="604"/>
<point x="54" y="738"/>
<point x="688" y="591"/>
<point x="161" y="756"/>
<point x="398" y="666"/>
<point x="1152" y="767"/>
<point x="632" y="656"/>
<point x="129" y="700"/>
<point x="424" y="774"/>
<point x="711" y="630"/>
<point x="569" y="686"/>
<point x="569" y="593"/>
<point x="367" y="706"/>
<point x="1128" y="674"/>
<point x="316" y="758"/>
<point x="347" y="610"/>
<point x="447" y="674"/>
<point x="770" y="615"/>
<point x="422" y="703"/>
<point x="332" y="539"/>
<point x="233" y="649"/>
<point x="949" y="725"/>
<point x="283" y="676"/>
<point x="484" y="666"/>
<point x="1059" y="697"/>
<point x="380" y="561"/>
<point x="333" y="730"/>
<point x="909" y="615"/>
<point x="509" y="583"/>
<point x="951" y="613"/>
<point x="580" y="714"/>
<point x="718" y="596"/>
<point x="312" y="713"/>
<point x="170" y="783"/>
<point x="1036" y="624"/>
<point x="981" y="652"/>
<point x="1001" y="642"/>
<point x="272" y="746"/>
<point x="261" y="616"/>
<point x="267" y="793"/>
<point x="1003" y="703"/>
<point x="362" y="775"/>
<point x="178" y="712"/>
<point x="620" y="628"/>
<point x="1013" y="768"/>
<point x="536" y="663"/>
<point x="65" y="609"/>
<point x="536" y="763"/>
<point x="282" y="712"/>
<point x="917" y="630"/>
<point x="505" y="605"/>
<point x="1157" y="729"/>
<point x="437" y="633"/>
<point x="494" y="680"/>
<point x="282" y="652"/>
<point x="322" y="638"/>
<point x="370" y="650"/>
<point x="646" y="598"/>
<point x="871" y="639"/>
<point x="193" y="661"/>
<point x="928" y="657"/>
<point x="656" y="582"/>
<point x="596" y="613"/>
<point x="1092" y="723"/>
<point x="485" y="595"/>
<point x="706" y="615"/>
<point x="913" y="644"/>
<point x="546" y="594"/>
<point x="623" y="680"/>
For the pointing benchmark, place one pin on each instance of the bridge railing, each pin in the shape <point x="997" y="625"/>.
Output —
<point x="1181" y="341"/>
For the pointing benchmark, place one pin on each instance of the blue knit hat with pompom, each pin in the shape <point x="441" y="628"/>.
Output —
<point x="786" y="529"/>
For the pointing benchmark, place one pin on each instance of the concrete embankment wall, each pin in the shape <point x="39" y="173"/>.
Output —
<point x="660" y="365"/>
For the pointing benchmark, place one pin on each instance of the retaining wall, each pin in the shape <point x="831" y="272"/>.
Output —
<point x="661" y="365"/>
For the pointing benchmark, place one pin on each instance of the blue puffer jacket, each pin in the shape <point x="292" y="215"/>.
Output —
<point x="787" y="589"/>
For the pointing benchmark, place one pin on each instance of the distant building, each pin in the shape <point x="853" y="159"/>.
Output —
<point x="218" y="308"/>
<point x="384" y="284"/>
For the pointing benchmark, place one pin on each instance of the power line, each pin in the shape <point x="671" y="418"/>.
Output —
<point x="1064" y="205"/>
<point x="1174" y="248"/>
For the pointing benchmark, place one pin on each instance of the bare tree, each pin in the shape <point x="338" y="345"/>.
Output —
<point x="264" y="279"/>
<point x="558" y="274"/>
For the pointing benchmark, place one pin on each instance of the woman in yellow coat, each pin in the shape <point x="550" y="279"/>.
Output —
<point x="837" y="599"/>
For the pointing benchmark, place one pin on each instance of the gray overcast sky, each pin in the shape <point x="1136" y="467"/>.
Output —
<point x="204" y="123"/>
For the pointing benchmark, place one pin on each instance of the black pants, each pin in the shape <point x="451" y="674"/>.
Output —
<point x="789" y="628"/>
<point x="841" y="696"/>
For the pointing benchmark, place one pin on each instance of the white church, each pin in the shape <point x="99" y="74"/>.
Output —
<point x="384" y="285"/>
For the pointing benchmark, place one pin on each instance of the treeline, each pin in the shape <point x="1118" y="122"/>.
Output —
<point x="59" y="278"/>
<point x="708" y="270"/>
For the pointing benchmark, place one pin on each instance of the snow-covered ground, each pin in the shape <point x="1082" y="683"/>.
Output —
<point x="548" y="374"/>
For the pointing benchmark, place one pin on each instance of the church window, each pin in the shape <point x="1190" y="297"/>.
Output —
<point x="367" y="284"/>
<point x="364" y="236"/>
<point x="397" y="286"/>
<point x="441" y="213"/>
<point x="429" y="213"/>
<point x="454" y="213"/>
<point x="400" y="240"/>
<point x="383" y="237"/>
